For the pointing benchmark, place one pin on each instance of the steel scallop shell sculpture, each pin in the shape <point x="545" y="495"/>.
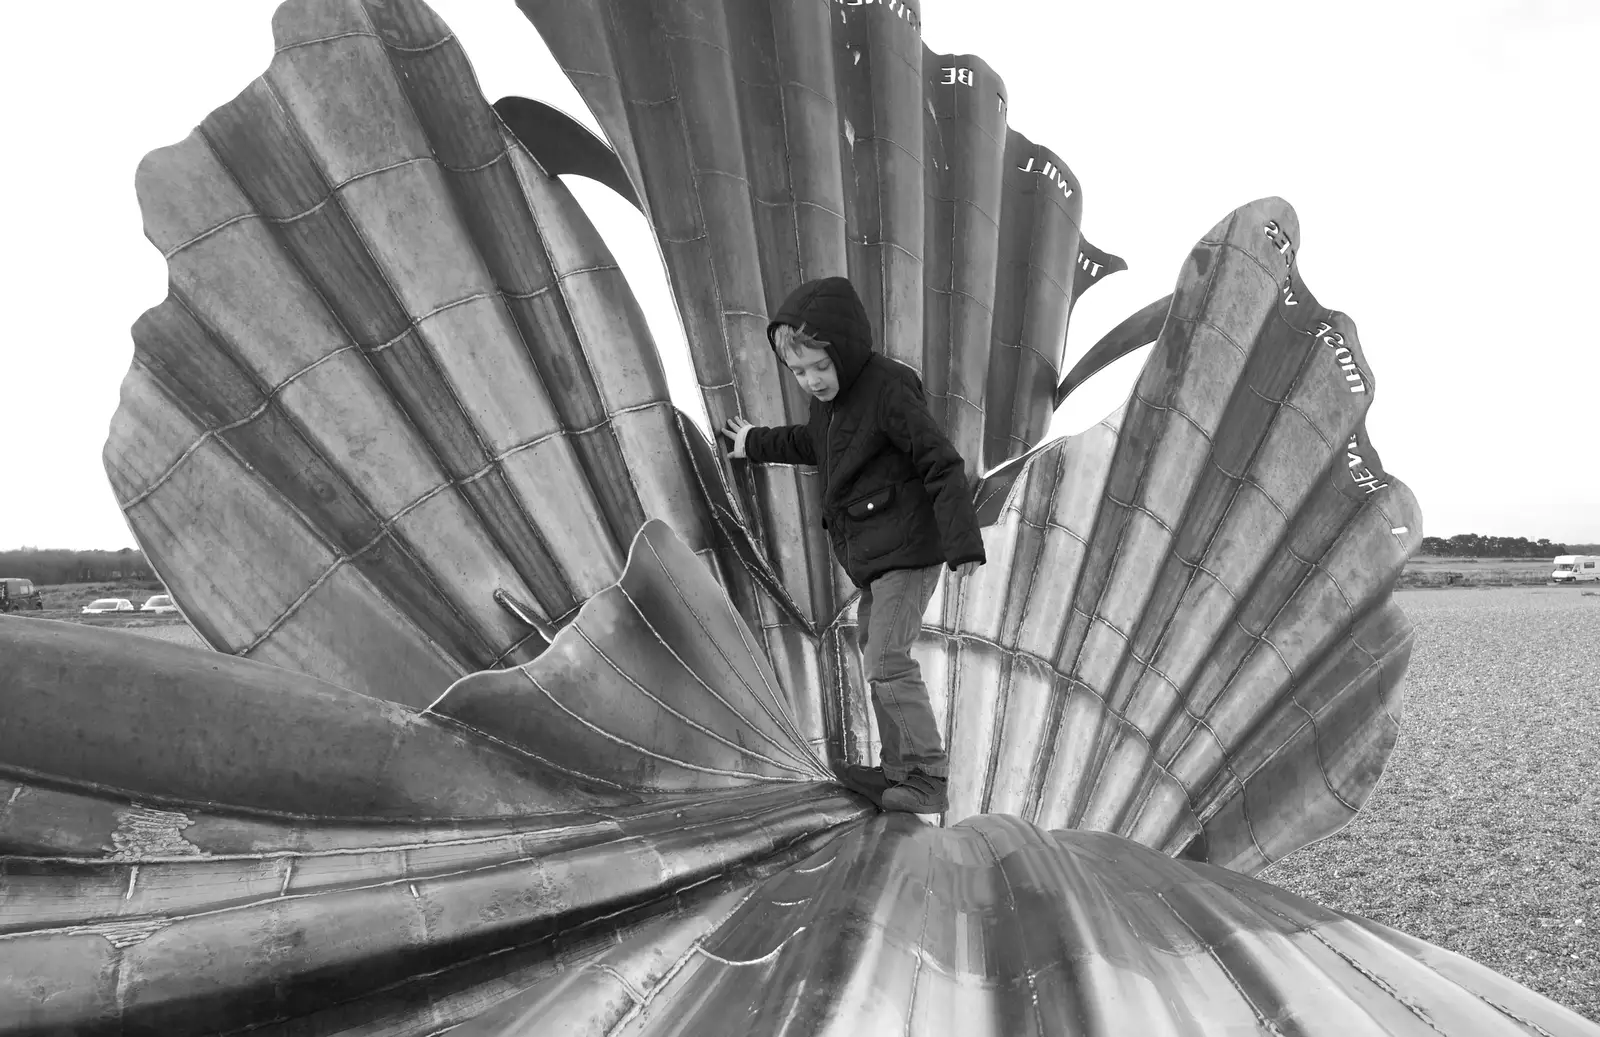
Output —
<point x="524" y="700"/>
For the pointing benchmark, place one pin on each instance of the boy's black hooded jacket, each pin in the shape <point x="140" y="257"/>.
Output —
<point x="894" y="495"/>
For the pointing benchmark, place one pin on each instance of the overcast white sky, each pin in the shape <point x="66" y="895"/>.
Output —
<point x="1441" y="156"/>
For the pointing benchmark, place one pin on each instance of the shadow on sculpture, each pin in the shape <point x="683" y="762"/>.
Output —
<point x="524" y="699"/>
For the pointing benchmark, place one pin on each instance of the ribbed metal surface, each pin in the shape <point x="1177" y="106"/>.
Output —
<point x="772" y="143"/>
<point x="657" y="686"/>
<point x="1184" y="633"/>
<point x="193" y="844"/>
<point x="399" y="422"/>
<point x="398" y="370"/>
<point x="996" y="927"/>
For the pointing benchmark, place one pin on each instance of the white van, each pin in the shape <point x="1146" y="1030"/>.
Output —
<point x="1576" y="569"/>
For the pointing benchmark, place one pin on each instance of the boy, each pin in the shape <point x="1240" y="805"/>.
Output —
<point x="895" y="504"/>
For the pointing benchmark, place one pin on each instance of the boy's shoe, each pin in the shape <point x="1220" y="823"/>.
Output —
<point x="868" y="781"/>
<point x="919" y="794"/>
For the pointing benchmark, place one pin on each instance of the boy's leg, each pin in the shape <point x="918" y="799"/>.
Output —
<point x="888" y="733"/>
<point x="905" y="716"/>
<point x="869" y="781"/>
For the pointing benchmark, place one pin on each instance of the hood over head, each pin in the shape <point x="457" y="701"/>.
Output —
<point x="830" y="310"/>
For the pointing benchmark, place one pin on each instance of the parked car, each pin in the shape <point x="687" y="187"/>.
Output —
<point x="100" y="605"/>
<point x="1576" y="569"/>
<point x="17" y="593"/>
<point x="160" y="604"/>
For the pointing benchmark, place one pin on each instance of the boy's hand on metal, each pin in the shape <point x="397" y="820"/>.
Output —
<point x="966" y="569"/>
<point x="736" y="430"/>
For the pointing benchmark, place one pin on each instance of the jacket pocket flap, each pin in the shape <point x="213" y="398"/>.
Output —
<point x="870" y="504"/>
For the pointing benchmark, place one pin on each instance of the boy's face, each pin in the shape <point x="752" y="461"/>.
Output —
<point x="815" y="371"/>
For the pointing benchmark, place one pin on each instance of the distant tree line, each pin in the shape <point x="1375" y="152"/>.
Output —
<point x="48" y="566"/>
<point x="1474" y="545"/>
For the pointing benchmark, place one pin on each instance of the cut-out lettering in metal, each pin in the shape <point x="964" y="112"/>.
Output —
<point x="562" y="698"/>
<point x="900" y="10"/>
<point x="1342" y="355"/>
<point x="1050" y="172"/>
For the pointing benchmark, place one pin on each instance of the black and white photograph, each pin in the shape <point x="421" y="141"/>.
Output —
<point x="801" y="518"/>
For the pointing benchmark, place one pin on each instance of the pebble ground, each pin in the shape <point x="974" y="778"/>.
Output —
<point x="1483" y="836"/>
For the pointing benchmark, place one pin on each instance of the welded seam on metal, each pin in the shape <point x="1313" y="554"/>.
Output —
<point x="764" y="959"/>
<point x="410" y="879"/>
<point x="1258" y="638"/>
<point x="919" y="951"/>
<point x="510" y="836"/>
<point x="954" y="292"/>
<point x="1287" y="403"/>
<point x="1199" y="567"/>
<point x="221" y="344"/>
<point x="669" y="974"/>
<point x="558" y="433"/>
<point x="1046" y="526"/>
<point x="584" y="355"/>
<point x="394" y="294"/>
<point x="329" y="198"/>
<point x="1277" y="750"/>
<point x="698" y="679"/>
<point x="1221" y="799"/>
<point x="1171" y="392"/>
<point x="230" y="221"/>
<point x="1349" y="604"/>
<point x="619" y="740"/>
<point x="212" y="433"/>
<point x="1244" y="354"/>
<point x="1048" y="746"/>
<point x="387" y="525"/>
<point x="1141" y="509"/>
<point x="415" y="325"/>
<point x="820" y="867"/>
<point x="949" y="344"/>
<point x="521" y="751"/>
<point x="760" y="571"/>
<point x="781" y="717"/>
<point x="1255" y="484"/>
<point x="817" y="205"/>
<point x="514" y="648"/>
<point x="446" y="38"/>
<point x="327" y="574"/>
<point x="1315" y="931"/>
<point x="501" y="542"/>
<point x="1239" y="481"/>
<point x="633" y="992"/>
<point x="1011" y="902"/>
<point x="1015" y="509"/>
<point x="1262" y="1019"/>
<point x="323" y="39"/>
<point x="720" y="335"/>
<point x="1322" y="763"/>
<point x="555" y="934"/>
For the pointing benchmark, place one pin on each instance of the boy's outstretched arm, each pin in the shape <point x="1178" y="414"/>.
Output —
<point x="786" y="444"/>
<point x="911" y="428"/>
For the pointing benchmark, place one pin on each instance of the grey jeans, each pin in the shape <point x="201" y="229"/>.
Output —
<point x="890" y="615"/>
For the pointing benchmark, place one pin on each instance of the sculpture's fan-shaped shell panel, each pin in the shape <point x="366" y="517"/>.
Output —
<point x="398" y="372"/>
<point x="1184" y="633"/>
<point x="776" y="143"/>
<point x="657" y="686"/>
<point x="399" y="423"/>
<point x="192" y="844"/>
<point x="996" y="927"/>
<point x="234" y="882"/>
